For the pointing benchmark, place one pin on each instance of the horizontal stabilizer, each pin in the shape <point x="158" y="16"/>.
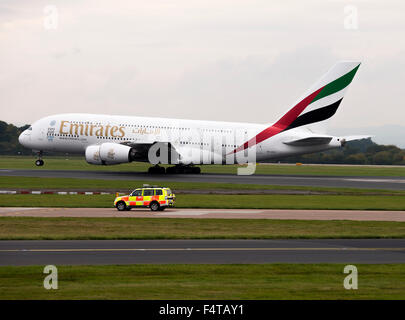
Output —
<point x="310" y="141"/>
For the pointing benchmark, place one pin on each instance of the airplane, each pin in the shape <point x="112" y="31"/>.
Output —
<point x="116" y="139"/>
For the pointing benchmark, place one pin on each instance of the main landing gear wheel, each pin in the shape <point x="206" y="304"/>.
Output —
<point x="183" y="169"/>
<point x="156" y="170"/>
<point x="196" y="170"/>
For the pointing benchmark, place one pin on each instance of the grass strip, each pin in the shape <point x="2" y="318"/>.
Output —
<point x="79" y="163"/>
<point x="326" y="202"/>
<point x="266" y="281"/>
<point x="35" y="228"/>
<point x="36" y="183"/>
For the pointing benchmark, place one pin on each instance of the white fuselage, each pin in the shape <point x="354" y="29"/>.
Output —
<point x="73" y="133"/>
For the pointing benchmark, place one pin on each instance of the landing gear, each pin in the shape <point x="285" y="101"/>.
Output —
<point x="183" y="169"/>
<point x="156" y="170"/>
<point x="178" y="169"/>
<point x="196" y="170"/>
<point x="39" y="162"/>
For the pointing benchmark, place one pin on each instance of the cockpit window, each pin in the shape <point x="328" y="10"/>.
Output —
<point x="30" y="128"/>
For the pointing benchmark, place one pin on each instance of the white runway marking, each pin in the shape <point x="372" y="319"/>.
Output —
<point x="187" y="213"/>
<point x="7" y="209"/>
<point x="204" y="212"/>
<point x="378" y="180"/>
<point x="203" y="249"/>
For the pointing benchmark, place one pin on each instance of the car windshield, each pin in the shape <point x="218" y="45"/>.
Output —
<point x="169" y="192"/>
<point x="137" y="193"/>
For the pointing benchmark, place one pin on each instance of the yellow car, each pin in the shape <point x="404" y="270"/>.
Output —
<point x="156" y="198"/>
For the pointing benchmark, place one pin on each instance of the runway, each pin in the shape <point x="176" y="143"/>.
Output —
<point x="97" y="252"/>
<point x="354" y="215"/>
<point x="365" y="182"/>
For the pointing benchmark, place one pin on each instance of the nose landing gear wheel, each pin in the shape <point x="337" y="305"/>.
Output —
<point x="39" y="162"/>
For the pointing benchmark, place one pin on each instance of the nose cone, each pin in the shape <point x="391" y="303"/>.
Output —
<point x="23" y="138"/>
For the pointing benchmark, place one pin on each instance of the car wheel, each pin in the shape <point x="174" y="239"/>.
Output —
<point x="121" y="206"/>
<point x="154" y="206"/>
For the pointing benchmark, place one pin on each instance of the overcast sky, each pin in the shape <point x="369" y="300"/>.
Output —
<point x="215" y="60"/>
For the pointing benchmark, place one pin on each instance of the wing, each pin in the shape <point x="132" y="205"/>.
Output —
<point x="309" y="141"/>
<point x="315" y="140"/>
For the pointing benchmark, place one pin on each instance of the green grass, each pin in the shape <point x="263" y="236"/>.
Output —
<point x="35" y="228"/>
<point x="331" y="202"/>
<point x="267" y="281"/>
<point x="36" y="183"/>
<point x="78" y="163"/>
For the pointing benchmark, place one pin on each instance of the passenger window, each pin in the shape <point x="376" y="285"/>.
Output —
<point x="159" y="192"/>
<point x="148" y="192"/>
<point x="137" y="193"/>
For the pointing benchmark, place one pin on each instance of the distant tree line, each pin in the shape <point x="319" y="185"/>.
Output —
<point x="354" y="152"/>
<point x="9" y="139"/>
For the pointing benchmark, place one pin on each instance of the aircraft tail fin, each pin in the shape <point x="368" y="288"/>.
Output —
<point x="319" y="104"/>
<point x="322" y="100"/>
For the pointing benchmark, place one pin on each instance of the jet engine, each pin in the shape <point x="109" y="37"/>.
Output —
<point x="109" y="153"/>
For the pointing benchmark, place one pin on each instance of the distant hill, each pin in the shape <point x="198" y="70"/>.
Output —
<point x="355" y="152"/>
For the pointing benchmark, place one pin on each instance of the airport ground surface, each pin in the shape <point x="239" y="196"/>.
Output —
<point x="354" y="215"/>
<point x="241" y="267"/>
<point x="88" y="252"/>
<point x="204" y="281"/>
<point x="364" y="182"/>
